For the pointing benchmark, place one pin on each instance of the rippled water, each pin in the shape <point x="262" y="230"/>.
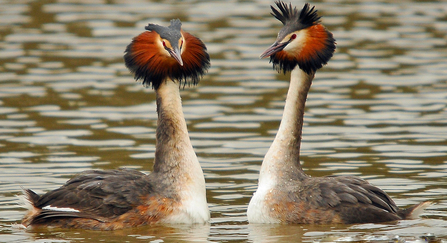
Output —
<point x="378" y="109"/>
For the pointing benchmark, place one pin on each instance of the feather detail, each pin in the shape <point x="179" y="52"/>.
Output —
<point x="312" y="50"/>
<point x="289" y="15"/>
<point x="147" y="60"/>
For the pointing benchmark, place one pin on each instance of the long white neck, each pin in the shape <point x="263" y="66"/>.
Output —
<point x="176" y="165"/>
<point x="282" y="161"/>
<point x="174" y="150"/>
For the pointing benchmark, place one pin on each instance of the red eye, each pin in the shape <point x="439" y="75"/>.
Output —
<point x="164" y="44"/>
<point x="293" y="37"/>
<point x="181" y="44"/>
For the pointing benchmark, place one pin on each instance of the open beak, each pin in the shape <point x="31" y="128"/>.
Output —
<point x="175" y="53"/>
<point x="276" y="47"/>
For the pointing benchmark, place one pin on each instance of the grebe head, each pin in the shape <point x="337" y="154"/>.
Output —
<point x="302" y="41"/>
<point x="163" y="53"/>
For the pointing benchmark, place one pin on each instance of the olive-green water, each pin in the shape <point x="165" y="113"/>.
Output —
<point x="378" y="110"/>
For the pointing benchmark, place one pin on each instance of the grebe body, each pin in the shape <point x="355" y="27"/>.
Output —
<point x="165" y="58"/>
<point x="285" y="194"/>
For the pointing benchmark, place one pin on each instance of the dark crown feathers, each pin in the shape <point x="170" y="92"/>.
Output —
<point x="289" y="15"/>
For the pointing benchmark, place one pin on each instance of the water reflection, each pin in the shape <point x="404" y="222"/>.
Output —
<point x="275" y="233"/>
<point x="377" y="110"/>
<point x="157" y="233"/>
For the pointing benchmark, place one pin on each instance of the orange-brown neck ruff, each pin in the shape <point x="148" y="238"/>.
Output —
<point x="316" y="51"/>
<point x="144" y="58"/>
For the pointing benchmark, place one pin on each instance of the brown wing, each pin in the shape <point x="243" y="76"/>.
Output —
<point x="93" y="194"/>
<point x="350" y="189"/>
<point x="352" y="199"/>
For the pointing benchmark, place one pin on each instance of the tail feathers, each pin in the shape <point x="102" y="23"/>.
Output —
<point x="30" y="199"/>
<point x="42" y="215"/>
<point x="414" y="211"/>
<point x="31" y="196"/>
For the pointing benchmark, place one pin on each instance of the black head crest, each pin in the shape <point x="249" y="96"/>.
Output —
<point x="171" y="33"/>
<point x="152" y="61"/>
<point x="291" y="19"/>
<point x="316" y="49"/>
<point x="285" y="13"/>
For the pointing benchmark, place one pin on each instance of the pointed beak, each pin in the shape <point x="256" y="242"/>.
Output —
<point x="176" y="54"/>
<point x="276" y="47"/>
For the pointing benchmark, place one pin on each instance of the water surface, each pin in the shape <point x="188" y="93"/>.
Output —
<point x="378" y="110"/>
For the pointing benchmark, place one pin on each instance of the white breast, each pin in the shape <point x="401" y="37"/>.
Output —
<point x="258" y="210"/>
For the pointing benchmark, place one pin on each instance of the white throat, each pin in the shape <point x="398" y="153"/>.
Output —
<point x="176" y="161"/>
<point x="282" y="158"/>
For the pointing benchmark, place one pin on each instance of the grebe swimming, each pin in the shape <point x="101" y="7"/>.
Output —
<point x="165" y="58"/>
<point x="285" y="193"/>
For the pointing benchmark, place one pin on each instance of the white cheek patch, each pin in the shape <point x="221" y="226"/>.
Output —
<point x="49" y="207"/>
<point x="162" y="48"/>
<point x="297" y="44"/>
<point x="182" y="47"/>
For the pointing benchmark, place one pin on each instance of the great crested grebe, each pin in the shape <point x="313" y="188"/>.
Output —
<point x="285" y="193"/>
<point x="166" y="58"/>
